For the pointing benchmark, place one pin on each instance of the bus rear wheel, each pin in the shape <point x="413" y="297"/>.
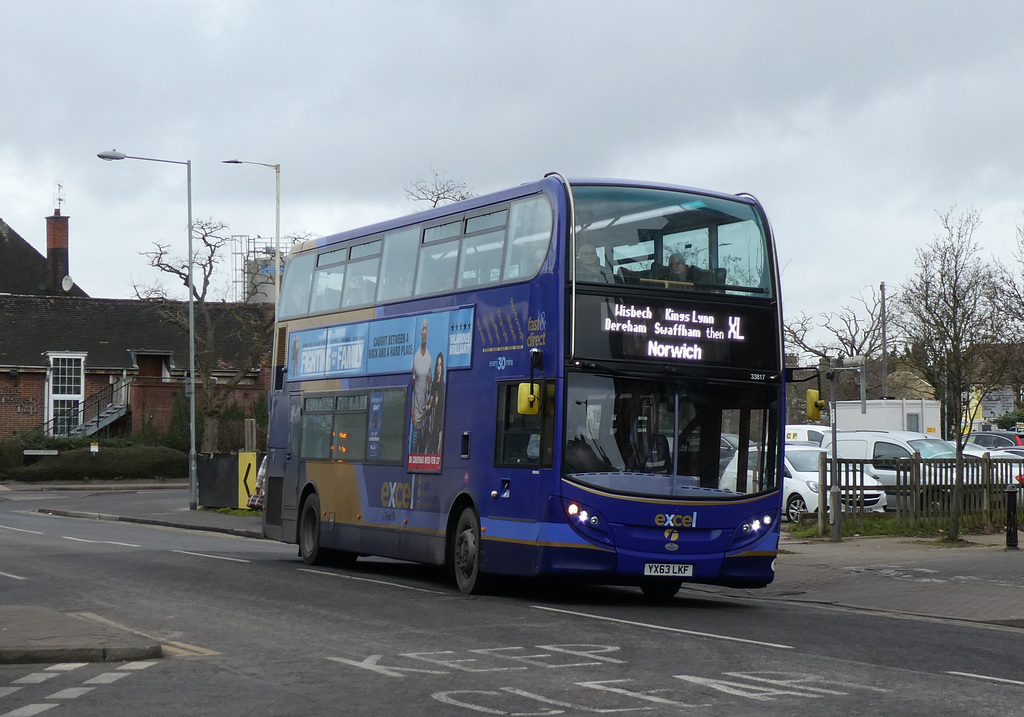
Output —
<point x="465" y="552"/>
<point x="309" y="532"/>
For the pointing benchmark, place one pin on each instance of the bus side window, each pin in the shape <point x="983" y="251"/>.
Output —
<point x="398" y="263"/>
<point x="524" y="440"/>
<point x="295" y="289"/>
<point x="529" y="234"/>
<point x="436" y="273"/>
<point x="480" y="263"/>
<point x="327" y="285"/>
<point x="317" y="417"/>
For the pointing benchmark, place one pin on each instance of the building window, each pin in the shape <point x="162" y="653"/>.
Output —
<point x="65" y="392"/>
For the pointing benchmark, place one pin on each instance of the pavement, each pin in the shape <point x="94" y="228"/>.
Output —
<point x="977" y="580"/>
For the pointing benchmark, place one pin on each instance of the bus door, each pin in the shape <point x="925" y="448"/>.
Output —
<point x="524" y="445"/>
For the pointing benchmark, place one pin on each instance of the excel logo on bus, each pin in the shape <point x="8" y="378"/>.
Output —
<point x="676" y="520"/>
<point x="394" y="494"/>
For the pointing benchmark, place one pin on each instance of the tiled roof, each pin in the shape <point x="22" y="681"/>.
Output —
<point x="25" y="270"/>
<point x="108" y="330"/>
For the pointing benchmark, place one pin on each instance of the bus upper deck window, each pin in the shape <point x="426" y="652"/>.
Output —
<point x="529" y="235"/>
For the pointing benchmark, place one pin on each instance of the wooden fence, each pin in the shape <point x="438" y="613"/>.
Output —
<point x="921" y="494"/>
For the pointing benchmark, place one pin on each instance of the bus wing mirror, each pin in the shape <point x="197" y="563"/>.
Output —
<point x="529" y="399"/>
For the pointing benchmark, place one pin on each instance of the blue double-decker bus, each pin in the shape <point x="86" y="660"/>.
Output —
<point x="569" y="378"/>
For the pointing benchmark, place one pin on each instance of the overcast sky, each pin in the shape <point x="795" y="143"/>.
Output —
<point x="852" y="122"/>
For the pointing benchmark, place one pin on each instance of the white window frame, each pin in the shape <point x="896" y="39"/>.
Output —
<point x="53" y="396"/>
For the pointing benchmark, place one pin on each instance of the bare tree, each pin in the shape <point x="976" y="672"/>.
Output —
<point x="950" y="319"/>
<point x="230" y="338"/>
<point x="854" y="330"/>
<point x="437" y="190"/>
<point x="1014" y="307"/>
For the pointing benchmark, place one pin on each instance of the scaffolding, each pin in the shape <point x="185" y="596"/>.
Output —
<point x="252" y="269"/>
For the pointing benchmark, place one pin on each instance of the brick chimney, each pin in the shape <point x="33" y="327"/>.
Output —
<point x="56" y="251"/>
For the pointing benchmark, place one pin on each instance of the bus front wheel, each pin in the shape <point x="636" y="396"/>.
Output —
<point x="309" y="531"/>
<point x="465" y="555"/>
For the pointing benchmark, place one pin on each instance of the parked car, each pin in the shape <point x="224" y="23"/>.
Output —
<point x="728" y="444"/>
<point x="996" y="439"/>
<point x="810" y="433"/>
<point x="800" y="483"/>
<point x="976" y="450"/>
<point x="886" y="445"/>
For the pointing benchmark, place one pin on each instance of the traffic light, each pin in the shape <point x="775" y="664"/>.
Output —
<point x="814" y="404"/>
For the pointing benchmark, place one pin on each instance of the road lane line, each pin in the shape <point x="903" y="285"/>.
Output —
<point x="986" y="677"/>
<point x="207" y="555"/>
<point x="104" y="542"/>
<point x="664" y="628"/>
<point x="12" y="576"/>
<point x="21" y="530"/>
<point x="372" y="580"/>
<point x="30" y="710"/>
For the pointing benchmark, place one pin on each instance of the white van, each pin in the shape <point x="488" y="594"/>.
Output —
<point x="807" y="433"/>
<point x="883" y="445"/>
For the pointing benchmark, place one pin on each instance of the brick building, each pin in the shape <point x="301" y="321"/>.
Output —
<point x="70" y="363"/>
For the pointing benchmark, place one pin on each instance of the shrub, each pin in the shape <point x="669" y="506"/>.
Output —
<point x="109" y="463"/>
<point x="10" y="452"/>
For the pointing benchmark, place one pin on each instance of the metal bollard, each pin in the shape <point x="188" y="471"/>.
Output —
<point x="1011" y="517"/>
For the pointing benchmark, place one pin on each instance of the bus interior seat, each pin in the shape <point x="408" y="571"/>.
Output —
<point x="628" y="276"/>
<point x="708" y="276"/>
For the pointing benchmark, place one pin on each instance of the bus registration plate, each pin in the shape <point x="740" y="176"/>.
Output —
<point x="668" y="569"/>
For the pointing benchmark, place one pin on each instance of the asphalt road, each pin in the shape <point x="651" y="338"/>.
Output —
<point x="250" y="630"/>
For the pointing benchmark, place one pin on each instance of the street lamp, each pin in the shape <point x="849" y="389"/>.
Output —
<point x="193" y="481"/>
<point x="277" y="258"/>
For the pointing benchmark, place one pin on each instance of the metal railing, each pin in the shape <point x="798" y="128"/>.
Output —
<point x="93" y="414"/>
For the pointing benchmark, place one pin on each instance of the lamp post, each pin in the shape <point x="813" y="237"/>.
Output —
<point x="277" y="258"/>
<point x="193" y="481"/>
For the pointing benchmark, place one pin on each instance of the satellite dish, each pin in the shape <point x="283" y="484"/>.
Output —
<point x="66" y="283"/>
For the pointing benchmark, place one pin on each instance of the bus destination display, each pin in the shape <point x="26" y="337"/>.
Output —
<point x="694" y="333"/>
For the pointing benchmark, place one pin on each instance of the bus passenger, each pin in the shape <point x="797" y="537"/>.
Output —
<point x="588" y="268"/>
<point x="678" y="269"/>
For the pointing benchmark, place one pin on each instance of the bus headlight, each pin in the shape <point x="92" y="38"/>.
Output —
<point x="753" y="527"/>
<point x="583" y="517"/>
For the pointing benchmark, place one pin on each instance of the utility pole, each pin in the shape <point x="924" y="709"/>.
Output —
<point x="885" y="348"/>
<point x="835" y="502"/>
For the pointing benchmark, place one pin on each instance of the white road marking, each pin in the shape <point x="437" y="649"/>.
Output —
<point x="12" y="576"/>
<point x="104" y="542"/>
<point x="372" y="580"/>
<point x="70" y="693"/>
<point x="664" y="628"/>
<point x="66" y="666"/>
<point x="34" y="678"/>
<point x="986" y="677"/>
<point x="207" y="555"/>
<point x="4" y="691"/>
<point x="137" y="665"/>
<point x="21" y="530"/>
<point x="105" y="678"/>
<point x="29" y="710"/>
